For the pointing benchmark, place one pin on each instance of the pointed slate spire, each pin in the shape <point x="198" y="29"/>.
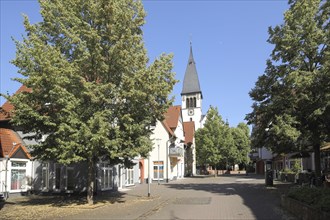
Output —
<point x="191" y="82"/>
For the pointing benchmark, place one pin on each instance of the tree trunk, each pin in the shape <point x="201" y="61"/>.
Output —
<point x="317" y="160"/>
<point x="90" y="183"/>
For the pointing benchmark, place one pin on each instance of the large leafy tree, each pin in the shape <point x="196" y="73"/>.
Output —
<point x="242" y="143"/>
<point x="92" y="91"/>
<point x="292" y="98"/>
<point x="227" y="147"/>
<point x="208" y="139"/>
<point x="220" y="145"/>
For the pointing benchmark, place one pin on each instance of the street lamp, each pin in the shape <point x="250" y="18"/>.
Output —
<point x="149" y="175"/>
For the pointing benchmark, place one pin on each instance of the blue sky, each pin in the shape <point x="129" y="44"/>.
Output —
<point x="229" y="40"/>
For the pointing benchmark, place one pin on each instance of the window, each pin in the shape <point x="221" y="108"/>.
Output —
<point x="57" y="177"/>
<point x="187" y="103"/>
<point x="158" y="169"/>
<point x="45" y="176"/>
<point x="18" y="164"/>
<point x="69" y="178"/>
<point x="106" y="176"/>
<point x="129" y="175"/>
<point x="18" y="175"/>
<point x="194" y="104"/>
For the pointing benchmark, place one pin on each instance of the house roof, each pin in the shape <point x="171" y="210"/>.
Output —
<point x="189" y="131"/>
<point x="10" y="143"/>
<point x="7" y="107"/>
<point x="172" y="116"/>
<point x="191" y="82"/>
<point x="168" y="129"/>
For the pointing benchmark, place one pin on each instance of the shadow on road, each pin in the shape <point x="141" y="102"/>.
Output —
<point x="264" y="202"/>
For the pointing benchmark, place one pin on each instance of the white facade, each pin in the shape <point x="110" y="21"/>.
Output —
<point x="192" y="113"/>
<point x="163" y="165"/>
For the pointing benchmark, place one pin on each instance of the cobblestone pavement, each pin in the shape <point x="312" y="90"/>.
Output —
<point x="223" y="197"/>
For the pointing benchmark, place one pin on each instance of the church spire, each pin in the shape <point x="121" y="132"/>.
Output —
<point x="191" y="82"/>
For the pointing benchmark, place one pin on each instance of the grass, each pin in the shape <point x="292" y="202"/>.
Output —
<point x="318" y="198"/>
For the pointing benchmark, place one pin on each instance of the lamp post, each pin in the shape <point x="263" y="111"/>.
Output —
<point x="149" y="175"/>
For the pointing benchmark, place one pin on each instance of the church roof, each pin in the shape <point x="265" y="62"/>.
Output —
<point x="191" y="82"/>
<point x="189" y="131"/>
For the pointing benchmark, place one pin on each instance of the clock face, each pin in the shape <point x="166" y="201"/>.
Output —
<point x="190" y="111"/>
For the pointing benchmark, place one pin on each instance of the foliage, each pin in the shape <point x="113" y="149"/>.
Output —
<point x="292" y="98"/>
<point x="316" y="197"/>
<point x="219" y="144"/>
<point x="92" y="92"/>
<point x="296" y="166"/>
<point x="208" y="139"/>
<point x="242" y="143"/>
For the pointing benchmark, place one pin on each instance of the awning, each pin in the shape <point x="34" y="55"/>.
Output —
<point x="326" y="147"/>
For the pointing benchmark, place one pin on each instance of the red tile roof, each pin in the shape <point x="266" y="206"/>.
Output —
<point x="7" y="107"/>
<point x="172" y="116"/>
<point x="169" y="130"/>
<point x="189" y="131"/>
<point x="10" y="143"/>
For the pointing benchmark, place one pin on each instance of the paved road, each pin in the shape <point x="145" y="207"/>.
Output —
<point x="224" y="197"/>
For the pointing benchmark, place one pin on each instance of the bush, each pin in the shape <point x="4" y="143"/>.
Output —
<point x="318" y="198"/>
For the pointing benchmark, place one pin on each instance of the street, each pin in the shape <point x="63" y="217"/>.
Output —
<point x="223" y="197"/>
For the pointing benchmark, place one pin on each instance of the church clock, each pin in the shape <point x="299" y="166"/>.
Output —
<point x="190" y="112"/>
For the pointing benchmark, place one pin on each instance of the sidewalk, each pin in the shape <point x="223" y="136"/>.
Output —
<point x="133" y="204"/>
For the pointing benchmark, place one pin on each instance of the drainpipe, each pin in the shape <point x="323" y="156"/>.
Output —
<point x="6" y="192"/>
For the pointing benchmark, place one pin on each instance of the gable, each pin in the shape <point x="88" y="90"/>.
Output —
<point x="20" y="153"/>
<point x="10" y="144"/>
<point x="172" y="116"/>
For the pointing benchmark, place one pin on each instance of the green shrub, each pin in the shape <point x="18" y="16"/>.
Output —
<point x="296" y="166"/>
<point x="318" y="198"/>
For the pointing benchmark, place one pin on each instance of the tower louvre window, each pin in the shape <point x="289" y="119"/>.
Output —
<point x="187" y="103"/>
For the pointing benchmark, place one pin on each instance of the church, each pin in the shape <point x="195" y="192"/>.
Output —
<point x="192" y="94"/>
<point x="174" y="151"/>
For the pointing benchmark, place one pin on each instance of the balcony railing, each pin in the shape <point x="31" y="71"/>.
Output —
<point x="176" y="152"/>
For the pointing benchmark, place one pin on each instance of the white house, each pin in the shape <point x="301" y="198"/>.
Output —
<point x="166" y="160"/>
<point x="15" y="164"/>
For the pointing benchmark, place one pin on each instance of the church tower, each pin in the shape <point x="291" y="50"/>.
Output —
<point x="191" y="94"/>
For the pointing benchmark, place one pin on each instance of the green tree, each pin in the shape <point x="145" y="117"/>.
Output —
<point x="292" y="98"/>
<point x="227" y="146"/>
<point x="92" y="90"/>
<point x="208" y="139"/>
<point x="241" y="136"/>
<point x="218" y="143"/>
